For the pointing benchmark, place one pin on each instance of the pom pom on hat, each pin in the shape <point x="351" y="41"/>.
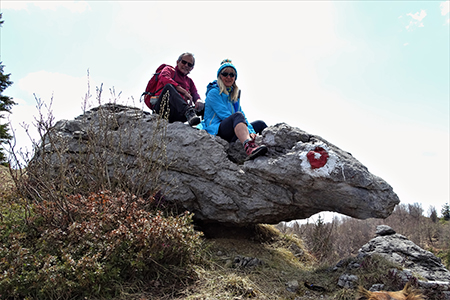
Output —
<point x="225" y="64"/>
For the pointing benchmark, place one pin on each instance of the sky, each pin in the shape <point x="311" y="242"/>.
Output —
<point x="371" y="77"/>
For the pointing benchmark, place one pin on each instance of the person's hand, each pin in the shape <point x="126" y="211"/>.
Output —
<point x="188" y="96"/>
<point x="199" y="105"/>
<point x="253" y="136"/>
<point x="184" y="92"/>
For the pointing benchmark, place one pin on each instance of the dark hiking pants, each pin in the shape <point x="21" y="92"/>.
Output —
<point x="176" y="105"/>
<point x="226" y="127"/>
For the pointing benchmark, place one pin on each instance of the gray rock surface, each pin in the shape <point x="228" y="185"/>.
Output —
<point x="246" y="262"/>
<point x="414" y="264"/>
<point x="348" y="281"/>
<point x="400" y="250"/>
<point x="301" y="175"/>
<point x="418" y="263"/>
<point x="383" y="230"/>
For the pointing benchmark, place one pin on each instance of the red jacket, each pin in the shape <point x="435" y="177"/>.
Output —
<point x="174" y="76"/>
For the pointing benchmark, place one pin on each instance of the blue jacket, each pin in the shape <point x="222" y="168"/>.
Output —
<point x="218" y="107"/>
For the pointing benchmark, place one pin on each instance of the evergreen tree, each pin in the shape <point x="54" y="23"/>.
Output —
<point x="433" y="214"/>
<point x="446" y="212"/>
<point x="5" y="106"/>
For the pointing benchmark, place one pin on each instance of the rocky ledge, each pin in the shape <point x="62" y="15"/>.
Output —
<point x="301" y="175"/>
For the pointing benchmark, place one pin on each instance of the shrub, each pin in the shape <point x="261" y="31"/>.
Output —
<point x="93" y="246"/>
<point x="66" y="239"/>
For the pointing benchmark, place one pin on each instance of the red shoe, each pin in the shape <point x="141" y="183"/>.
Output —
<point x="254" y="151"/>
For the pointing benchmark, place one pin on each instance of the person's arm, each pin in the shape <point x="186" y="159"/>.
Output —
<point x="166" y="76"/>
<point x="218" y="104"/>
<point x="183" y="92"/>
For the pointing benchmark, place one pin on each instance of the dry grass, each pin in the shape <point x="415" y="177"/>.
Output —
<point x="6" y="182"/>
<point x="284" y="259"/>
<point x="284" y="256"/>
<point x="224" y="280"/>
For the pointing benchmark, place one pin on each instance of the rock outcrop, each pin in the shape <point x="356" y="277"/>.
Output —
<point x="301" y="175"/>
<point x="414" y="264"/>
<point x="400" y="250"/>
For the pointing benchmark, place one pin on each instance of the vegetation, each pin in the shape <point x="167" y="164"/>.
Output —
<point x="92" y="247"/>
<point x="446" y="212"/>
<point x="78" y="233"/>
<point x="344" y="236"/>
<point x="5" y="106"/>
<point x="72" y="231"/>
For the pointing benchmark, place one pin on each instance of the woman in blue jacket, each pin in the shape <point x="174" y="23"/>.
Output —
<point x="223" y="113"/>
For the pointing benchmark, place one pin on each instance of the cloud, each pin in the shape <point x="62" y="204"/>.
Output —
<point x="66" y="91"/>
<point x="445" y="7"/>
<point x="418" y="16"/>
<point x="416" y="20"/>
<point x="73" y="6"/>
<point x="14" y="5"/>
<point x="61" y="96"/>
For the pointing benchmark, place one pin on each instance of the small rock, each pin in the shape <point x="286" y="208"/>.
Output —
<point x="376" y="287"/>
<point x="347" y="281"/>
<point x="243" y="262"/>
<point x="292" y="286"/>
<point x="383" y="230"/>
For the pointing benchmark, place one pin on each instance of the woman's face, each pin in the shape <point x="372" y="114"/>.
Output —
<point x="230" y="77"/>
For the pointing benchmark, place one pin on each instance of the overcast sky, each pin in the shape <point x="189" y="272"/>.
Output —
<point x="371" y="77"/>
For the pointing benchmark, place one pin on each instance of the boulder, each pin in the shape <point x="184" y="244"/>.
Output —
<point x="383" y="230"/>
<point x="414" y="264"/>
<point x="400" y="250"/>
<point x="301" y="175"/>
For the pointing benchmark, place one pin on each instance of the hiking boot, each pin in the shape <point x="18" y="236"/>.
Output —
<point x="192" y="117"/>
<point x="253" y="151"/>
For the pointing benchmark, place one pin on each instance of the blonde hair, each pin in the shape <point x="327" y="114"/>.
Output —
<point x="223" y="89"/>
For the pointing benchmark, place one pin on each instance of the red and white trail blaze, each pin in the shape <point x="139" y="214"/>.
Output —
<point x="318" y="160"/>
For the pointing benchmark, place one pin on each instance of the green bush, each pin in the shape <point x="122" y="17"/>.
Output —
<point x="92" y="246"/>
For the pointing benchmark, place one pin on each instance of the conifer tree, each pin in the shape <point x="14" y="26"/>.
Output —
<point x="5" y="106"/>
<point x="446" y="212"/>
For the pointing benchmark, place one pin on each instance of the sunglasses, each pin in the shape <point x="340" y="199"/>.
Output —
<point x="225" y="74"/>
<point x="188" y="63"/>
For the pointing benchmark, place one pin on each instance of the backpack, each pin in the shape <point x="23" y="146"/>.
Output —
<point x="150" y="90"/>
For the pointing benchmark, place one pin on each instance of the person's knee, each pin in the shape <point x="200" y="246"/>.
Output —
<point x="259" y="126"/>
<point x="173" y="97"/>
<point x="238" y="114"/>
<point x="170" y="87"/>
<point x="238" y="117"/>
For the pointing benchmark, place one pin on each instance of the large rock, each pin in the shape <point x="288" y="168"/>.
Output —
<point x="301" y="175"/>
<point x="400" y="250"/>
<point x="414" y="264"/>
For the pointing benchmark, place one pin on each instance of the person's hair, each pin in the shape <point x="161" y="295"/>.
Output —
<point x="184" y="54"/>
<point x="223" y="89"/>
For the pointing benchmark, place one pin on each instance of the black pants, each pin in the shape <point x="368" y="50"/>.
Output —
<point x="176" y="105"/>
<point x="226" y="127"/>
